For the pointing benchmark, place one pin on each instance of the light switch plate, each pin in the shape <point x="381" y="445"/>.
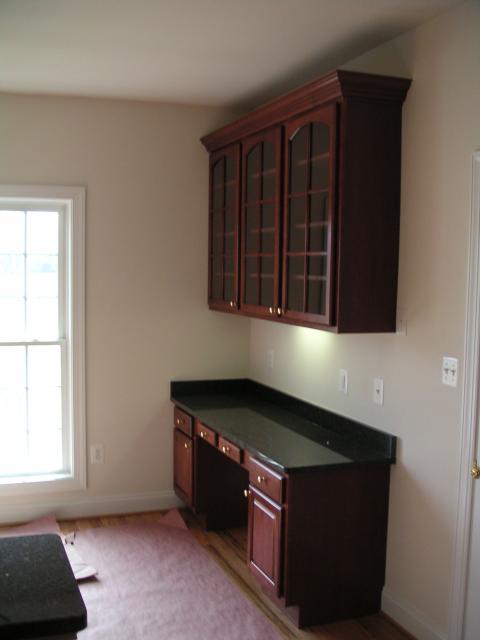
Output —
<point x="97" y="454"/>
<point x="450" y="371"/>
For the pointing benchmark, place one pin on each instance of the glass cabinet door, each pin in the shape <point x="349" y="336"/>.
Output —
<point x="223" y="227"/>
<point x="260" y="261"/>
<point x="308" y="207"/>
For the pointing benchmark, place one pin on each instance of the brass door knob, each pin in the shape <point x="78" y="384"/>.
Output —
<point x="475" y="470"/>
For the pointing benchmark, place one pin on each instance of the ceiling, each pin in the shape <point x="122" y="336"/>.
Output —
<point x="235" y="53"/>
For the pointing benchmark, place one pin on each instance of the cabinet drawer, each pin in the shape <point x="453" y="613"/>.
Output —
<point x="229" y="449"/>
<point x="183" y="421"/>
<point x="206" y="433"/>
<point x="268" y="481"/>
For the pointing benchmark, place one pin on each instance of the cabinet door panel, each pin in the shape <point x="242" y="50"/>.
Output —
<point x="260" y="246"/>
<point x="264" y="540"/>
<point x="183" y="466"/>
<point x="310" y="144"/>
<point x="224" y="228"/>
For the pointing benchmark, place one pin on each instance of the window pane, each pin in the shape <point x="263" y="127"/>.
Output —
<point x="12" y="368"/>
<point x="42" y="276"/>
<point x="12" y="232"/>
<point x="12" y="318"/>
<point x="45" y="452"/>
<point x="44" y="366"/>
<point x="44" y="410"/>
<point x="42" y="232"/>
<point x="42" y="318"/>
<point x="12" y="275"/>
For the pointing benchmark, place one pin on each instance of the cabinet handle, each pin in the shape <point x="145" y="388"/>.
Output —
<point x="279" y="311"/>
<point x="233" y="304"/>
<point x="185" y="445"/>
<point x="178" y="421"/>
<point x="270" y="310"/>
<point x="226" y="449"/>
<point x="202" y="434"/>
<point x="246" y="492"/>
<point x="261" y="479"/>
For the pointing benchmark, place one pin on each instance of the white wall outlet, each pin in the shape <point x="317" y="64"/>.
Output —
<point x="450" y="371"/>
<point x="97" y="454"/>
<point x="401" y="321"/>
<point x="270" y="359"/>
<point x="378" y="391"/>
<point x="343" y="381"/>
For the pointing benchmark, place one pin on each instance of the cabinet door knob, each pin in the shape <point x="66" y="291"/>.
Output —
<point x="185" y="445"/>
<point x="270" y="309"/>
<point x="279" y="311"/>
<point x="178" y="420"/>
<point x="261" y="479"/>
<point x="202" y="434"/>
<point x="245" y="493"/>
<point x="225" y="449"/>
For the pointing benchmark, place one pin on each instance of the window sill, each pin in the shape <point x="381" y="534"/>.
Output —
<point x="27" y="485"/>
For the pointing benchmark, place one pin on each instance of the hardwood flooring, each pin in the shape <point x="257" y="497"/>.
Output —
<point x="228" y="549"/>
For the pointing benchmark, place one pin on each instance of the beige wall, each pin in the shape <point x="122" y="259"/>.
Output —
<point x="147" y="321"/>
<point x="441" y="130"/>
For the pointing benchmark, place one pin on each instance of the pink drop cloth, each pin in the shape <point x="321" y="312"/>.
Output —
<point x="155" y="582"/>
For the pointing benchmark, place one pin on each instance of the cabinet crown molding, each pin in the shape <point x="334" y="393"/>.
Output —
<point x="334" y="86"/>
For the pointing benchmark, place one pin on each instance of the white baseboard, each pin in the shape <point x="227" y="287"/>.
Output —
<point x="86" y="506"/>
<point x="408" y="617"/>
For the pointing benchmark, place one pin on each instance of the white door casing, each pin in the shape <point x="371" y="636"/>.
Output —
<point x="464" y="619"/>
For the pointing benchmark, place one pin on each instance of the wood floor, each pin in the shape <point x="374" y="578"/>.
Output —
<point x="228" y="549"/>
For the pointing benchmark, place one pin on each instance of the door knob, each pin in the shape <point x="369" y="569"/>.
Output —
<point x="475" y="470"/>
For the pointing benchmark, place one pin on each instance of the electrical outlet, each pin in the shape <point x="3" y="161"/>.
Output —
<point x="378" y="391"/>
<point x="343" y="381"/>
<point x="450" y="371"/>
<point x="97" y="454"/>
<point x="270" y="359"/>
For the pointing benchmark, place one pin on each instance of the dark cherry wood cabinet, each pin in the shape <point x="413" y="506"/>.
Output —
<point x="264" y="555"/>
<point x="316" y="224"/>
<point x="260" y="223"/>
<point x="183" y="466"/>
<point x="224" y="228"/>
<point x="316" y="538"/>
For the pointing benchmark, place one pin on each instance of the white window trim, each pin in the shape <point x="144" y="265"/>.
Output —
<point x="73" y="199"/>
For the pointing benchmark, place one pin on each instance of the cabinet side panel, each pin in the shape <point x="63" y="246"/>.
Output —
<point x="369" y="215"/>
<point x="336" y="542"/>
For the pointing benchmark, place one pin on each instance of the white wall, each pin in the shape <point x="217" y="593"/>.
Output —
<point x="147" y="321"/>
<point x="441" y="129"/>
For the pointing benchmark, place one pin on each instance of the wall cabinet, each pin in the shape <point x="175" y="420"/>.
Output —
<point x="305" y="205"/>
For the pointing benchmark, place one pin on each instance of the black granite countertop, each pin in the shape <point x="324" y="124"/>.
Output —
<point x="285" y="432"/>
<point x="38" y="593"/>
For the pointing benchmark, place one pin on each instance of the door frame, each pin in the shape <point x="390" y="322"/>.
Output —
<point x="470" y="416"/>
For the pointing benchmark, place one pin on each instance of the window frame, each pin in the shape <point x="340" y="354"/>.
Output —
<point x="72" y="200"/>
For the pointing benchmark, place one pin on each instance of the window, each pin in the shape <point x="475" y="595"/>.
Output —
<point x="42" y="403"/>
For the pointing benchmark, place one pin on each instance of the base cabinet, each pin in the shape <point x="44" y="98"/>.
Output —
<point x="316" y="538"/>
<point x="264" y="540"/>
<point x="182" y="466"/>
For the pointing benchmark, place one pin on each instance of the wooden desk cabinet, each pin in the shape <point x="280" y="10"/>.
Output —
<point x="316" y="538"/>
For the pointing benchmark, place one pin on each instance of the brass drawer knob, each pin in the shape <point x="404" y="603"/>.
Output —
<point x="245" y="493"/>
<point x="270" y="310"/>
<point x="279" y="311"/>
<point x="202" y="434"/>
<point x="185" y="445"/>
<point x="178" y="421"/>
<point x="261" y="479"/>
<point x="226" y="449"/>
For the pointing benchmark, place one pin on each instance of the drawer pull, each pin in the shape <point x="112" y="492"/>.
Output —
<point x="261" y="479"/>
<point x="202" y="434"/>
<point x="186" y="445"/>
<point x="226" y="449"/>
<point x="246" y="492"/>
<point x="179" y="421"/>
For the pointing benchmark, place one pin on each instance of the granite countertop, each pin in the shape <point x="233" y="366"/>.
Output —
<point x="283" y="431"/>
<point x="38" y="593"/>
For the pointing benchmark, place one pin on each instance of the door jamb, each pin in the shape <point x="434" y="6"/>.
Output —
<point x="470" y="417"/>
